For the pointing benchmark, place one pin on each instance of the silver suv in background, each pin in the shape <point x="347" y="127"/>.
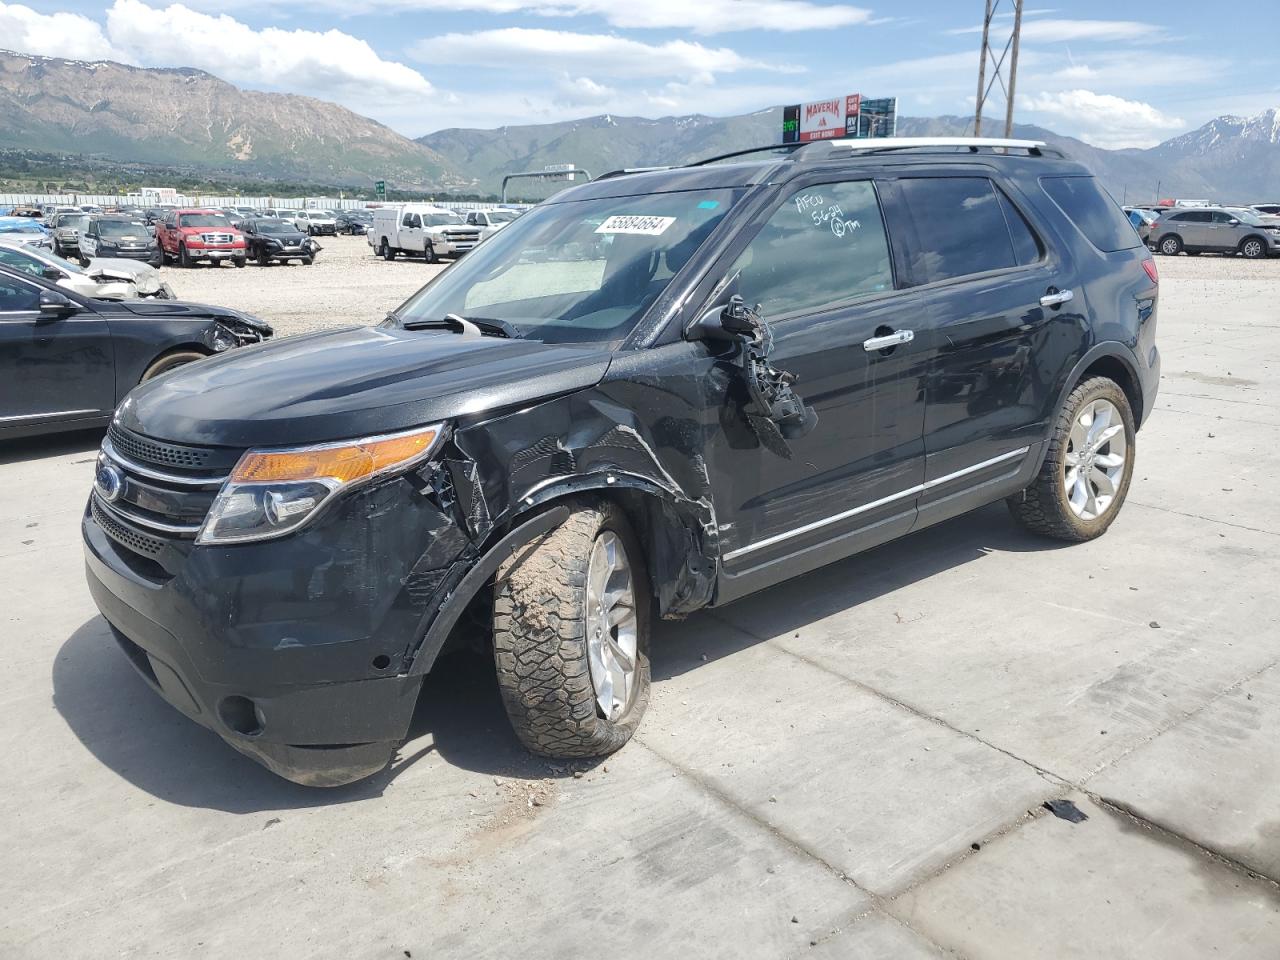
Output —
<point x="1215" y="230"/>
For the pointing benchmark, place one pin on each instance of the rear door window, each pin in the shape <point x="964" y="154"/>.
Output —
<point x="1026" y="246"/>
<point x="960" y="228"/>
<point x="824" y="245"/>
<point x="1093" y="212"/>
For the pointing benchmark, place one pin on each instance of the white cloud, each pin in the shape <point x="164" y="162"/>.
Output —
<point x="698" y="16"/>
<point x="331" y="64"/>
<point x="1065" y="31"/>
<point x="600" y="54"/>
<point x="54" y="35"/>
<point x="1105" y="120"/>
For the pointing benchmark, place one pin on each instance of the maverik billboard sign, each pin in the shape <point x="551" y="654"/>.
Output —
<point x="850" y="116"/>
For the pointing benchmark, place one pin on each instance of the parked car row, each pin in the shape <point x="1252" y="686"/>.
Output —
<point x="1230" y="230"/>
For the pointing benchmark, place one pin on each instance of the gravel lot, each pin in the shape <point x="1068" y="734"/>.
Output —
<point x="347" y="284"/>
<point x="853" y="764"/>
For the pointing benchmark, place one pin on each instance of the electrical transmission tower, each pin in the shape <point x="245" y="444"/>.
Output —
<point x="998" y="70"/>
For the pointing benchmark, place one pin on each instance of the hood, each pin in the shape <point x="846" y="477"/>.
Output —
<point x="113" y="268"/>
<point x="185" y="310"/>
<point x="144" y="276"/>
<point x="361" y="381"/>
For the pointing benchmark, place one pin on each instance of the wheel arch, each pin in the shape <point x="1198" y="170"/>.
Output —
<point x="681" y="569"/>
<point x="1110" y="359"/>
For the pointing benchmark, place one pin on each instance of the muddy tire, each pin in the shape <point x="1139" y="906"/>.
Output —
<point x="1086" y="473"/>
<point x="541" y="623"/>
<point x="169" y="362"/>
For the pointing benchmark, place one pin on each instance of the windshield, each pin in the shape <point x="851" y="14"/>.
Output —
<point x="581" y="271"/>
<point x="203" y="220"/>
<point x="123" y="230"/>
<point x="74" y="222"/>
<point x="274" y="226"/>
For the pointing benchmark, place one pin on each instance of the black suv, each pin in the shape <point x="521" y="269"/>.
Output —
<point x="656" y="392"/>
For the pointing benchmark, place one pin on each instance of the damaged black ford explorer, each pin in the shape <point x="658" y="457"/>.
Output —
<point x="656" y="392"/>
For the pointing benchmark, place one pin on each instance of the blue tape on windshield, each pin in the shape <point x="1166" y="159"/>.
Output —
<point x="708" y="204"/>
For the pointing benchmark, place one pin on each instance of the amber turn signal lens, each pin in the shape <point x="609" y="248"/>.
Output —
<point x="344" y="463"/>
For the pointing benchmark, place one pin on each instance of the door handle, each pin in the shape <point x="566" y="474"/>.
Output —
<point x="1056" y="298"/>
<point x="888" y="340"/>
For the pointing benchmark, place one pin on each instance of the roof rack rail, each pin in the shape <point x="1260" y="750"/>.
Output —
<point x="888" y="144"/>
<point x="790" y="147"/>
<point x="625" y="171"/>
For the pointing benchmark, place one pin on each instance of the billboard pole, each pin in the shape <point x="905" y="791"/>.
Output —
<point x="998" y="69"/>
<point x="982" y="71"/>
<point x="1013" y="67"/>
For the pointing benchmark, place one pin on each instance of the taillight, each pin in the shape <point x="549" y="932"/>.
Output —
<point x="1149" y="265"/>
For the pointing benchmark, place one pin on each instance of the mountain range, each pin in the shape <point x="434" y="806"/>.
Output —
<point x="189" y="117"/>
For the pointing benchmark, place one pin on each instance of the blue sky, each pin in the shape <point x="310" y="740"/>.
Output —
<point x="1114" y="74"/>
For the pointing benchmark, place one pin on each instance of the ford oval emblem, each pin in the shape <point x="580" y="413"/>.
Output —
<point x="108" y="482"/>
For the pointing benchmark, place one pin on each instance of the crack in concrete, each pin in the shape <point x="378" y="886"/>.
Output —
<point x="1199" y="516"/>
<point x="1127" y="810"/>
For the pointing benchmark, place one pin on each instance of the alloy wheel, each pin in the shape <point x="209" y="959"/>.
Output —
<point x="1093" y="468"/>
<point x="611" y="626"/>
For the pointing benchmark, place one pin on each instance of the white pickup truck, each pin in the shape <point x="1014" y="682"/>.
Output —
<point x="420" y="228"/>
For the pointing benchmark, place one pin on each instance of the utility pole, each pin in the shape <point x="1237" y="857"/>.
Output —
<point x="1009" y="52"/>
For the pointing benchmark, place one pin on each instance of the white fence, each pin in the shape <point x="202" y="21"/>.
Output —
<point x="204" y="200"/>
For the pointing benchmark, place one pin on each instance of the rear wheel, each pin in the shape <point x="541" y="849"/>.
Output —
<point x="1087" y="469"/>
<point x="384" y="249"/>
<point x="571" y="636"/>
<point x="169" y="362"/>
<point x="1252" y="248"/>
<point x="1171" y="245"/>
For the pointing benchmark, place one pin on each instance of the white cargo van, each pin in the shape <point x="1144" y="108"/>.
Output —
<point x="420" y="228"/>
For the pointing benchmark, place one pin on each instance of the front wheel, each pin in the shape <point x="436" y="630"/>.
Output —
<point x="184" y="258"/>
<point x="240" y="261"/>
<point x="430" y="253"/>
<point x="308" y="261"/>
<point x="169" y="362"/>
<point x="571" y="636"/>
<point x="1171" y="245"/>
<point x="1252" y="248"/>
<point x="1087" y="469"/>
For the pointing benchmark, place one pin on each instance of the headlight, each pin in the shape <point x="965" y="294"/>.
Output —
<point x="273" y="492"/>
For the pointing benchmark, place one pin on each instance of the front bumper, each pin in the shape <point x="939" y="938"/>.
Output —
<point x="216" y="254"/>
<point x="293" y="650"/>
<point x="284" y="253"/>
<point x="151" y="257"/>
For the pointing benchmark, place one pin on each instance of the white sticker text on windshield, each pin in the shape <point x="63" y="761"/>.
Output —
<point x="642" y="226"/>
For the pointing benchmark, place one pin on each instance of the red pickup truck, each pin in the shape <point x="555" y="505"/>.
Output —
<point x="189" y="235"/>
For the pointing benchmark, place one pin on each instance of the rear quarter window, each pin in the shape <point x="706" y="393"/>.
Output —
<point x="1092" y="210"/>
<point x="959" y="227"/>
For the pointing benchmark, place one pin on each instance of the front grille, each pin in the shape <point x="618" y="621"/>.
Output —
<point x="160" y="453"/>
<point x="216" y="237"/>
<point x="137" y="542"/>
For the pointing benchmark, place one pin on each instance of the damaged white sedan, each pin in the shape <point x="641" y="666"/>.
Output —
<point x="103" y="278"/>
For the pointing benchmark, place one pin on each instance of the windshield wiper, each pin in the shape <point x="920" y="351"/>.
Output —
<point x="473" y="326"/>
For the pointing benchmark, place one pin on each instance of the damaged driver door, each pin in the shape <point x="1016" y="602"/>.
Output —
<point x="818" y="270"/>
